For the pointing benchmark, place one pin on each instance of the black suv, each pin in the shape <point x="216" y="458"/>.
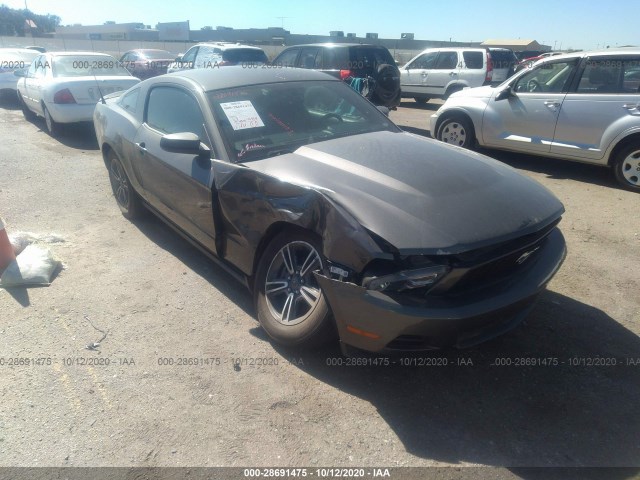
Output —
<point x="370" y="69"/>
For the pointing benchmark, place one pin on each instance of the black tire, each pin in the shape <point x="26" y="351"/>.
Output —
<point x="421" y="100"/>
<point x="28" y="114"/>
<point x="626" y="167"/>
<point x="458" y="131"/>
<point x="307" y="322"/>
<point x="53" y="127"/>
<point x="452" y="90"/>
<point x="387" y="86"/>
<point x="126" y="197"/>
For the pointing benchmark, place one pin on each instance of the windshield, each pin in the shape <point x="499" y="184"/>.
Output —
<point x="157" y="55"/>
<point x="88" y="65"/>
<point x="244" y="55"/>
<point x="261" y="121"/>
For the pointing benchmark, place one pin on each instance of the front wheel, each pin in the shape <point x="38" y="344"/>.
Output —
<point x="128" y="200"/>
<point x="457" y="131"/>
<point x="627" y="168"/>
<point x="289" y="301"/>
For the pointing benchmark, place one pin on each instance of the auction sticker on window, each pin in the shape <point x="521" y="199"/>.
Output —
<point x="242" y="115"/>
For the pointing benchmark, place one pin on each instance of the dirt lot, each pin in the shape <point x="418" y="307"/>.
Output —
<point x="133" y="402"/>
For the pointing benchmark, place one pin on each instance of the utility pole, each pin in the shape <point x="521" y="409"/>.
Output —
<point x="281" y="21"/>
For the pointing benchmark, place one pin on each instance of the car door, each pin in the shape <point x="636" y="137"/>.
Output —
<point x="445" y="70"/>
<point x="177" y="185"/>
<point x="604" y="103"/>
<point x="34" y="83"/>
<point x="413" y="77"/>
<point x="526" y="120"/>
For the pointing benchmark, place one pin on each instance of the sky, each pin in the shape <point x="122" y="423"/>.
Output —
<point x="562" y="24"/>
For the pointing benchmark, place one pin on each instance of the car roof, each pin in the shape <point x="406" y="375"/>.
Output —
<point x="237" y="76"/>
<point x="226" y="45"/>
<point x="609" y="52"/>
<point x="337" y="45"/>
<point x="73" y="54"/>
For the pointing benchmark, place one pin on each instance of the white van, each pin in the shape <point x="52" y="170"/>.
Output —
<point x="438" y="72"/>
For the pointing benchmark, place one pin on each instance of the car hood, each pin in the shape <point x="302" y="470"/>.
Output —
<point x="418" y="194"/>
<point x="477" y="92"/>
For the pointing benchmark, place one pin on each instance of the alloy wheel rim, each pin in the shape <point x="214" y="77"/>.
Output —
<point x="631" y="168"/>
<point x="120" y="184"/>
<point x="454" y="133"/>
<point x="291" y="290"/>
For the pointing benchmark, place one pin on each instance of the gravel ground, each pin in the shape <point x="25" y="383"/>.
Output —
<point x="134" y="402"/>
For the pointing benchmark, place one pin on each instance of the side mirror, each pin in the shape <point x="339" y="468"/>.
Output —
<point x="22" y="72"/>
<point x="383" y="110"/>
<point x="178" y="58"/>
<point x="506" y="92"/>
<point x="186" y="142"/>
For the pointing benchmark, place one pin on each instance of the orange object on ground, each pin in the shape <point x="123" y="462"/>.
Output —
<point x="7" y="255"/>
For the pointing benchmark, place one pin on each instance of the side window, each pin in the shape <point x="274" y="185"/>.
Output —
<point x="329" y="59"/>
<point x="208" y="57"/>
<point x="172" y="110"/>
<point x="130" y="101"/>
<point x="426" y="61"/>
<point x="631" y="76"/>
<point x="288" y="58"/>
<point x="610" y="76"/>
<point x="548" y="78"/>
<point x="126" y="57"/>
<point x="31" y="73"/>
<point x="190" y="56"/>
<point x="446" y="61"/>
<point x="473" y="60"/>
<point x="40" y="67"/>
<point x="310" y="58"/>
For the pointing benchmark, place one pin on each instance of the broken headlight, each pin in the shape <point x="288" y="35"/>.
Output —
<point x="407" y="279"/>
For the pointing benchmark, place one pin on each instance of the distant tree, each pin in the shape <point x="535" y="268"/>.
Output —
<point x="13" y="22"/>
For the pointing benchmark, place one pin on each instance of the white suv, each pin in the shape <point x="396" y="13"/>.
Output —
<point x="439" y="72"/>
<point x="583" y="107"/>
<point x="214" y="55"/>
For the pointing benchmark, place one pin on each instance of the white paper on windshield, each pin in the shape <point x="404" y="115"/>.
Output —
<point x="242" y="115"/>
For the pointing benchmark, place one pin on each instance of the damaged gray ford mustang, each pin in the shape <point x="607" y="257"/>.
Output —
<point x="334" y="218"/>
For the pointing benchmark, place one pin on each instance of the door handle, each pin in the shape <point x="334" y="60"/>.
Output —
<point x="552" y="104"/>
<point x="141" y="147"/>
<point x="451" y="74"/>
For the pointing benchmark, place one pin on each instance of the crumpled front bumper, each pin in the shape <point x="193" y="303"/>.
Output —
<point x="373" y="321"/>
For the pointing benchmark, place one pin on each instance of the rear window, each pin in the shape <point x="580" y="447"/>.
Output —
<point x="502" y="58"/>
<point x="241" y="55"/>
<point x="473" y="60"/>
<point x="88" y="65"/>
<point x="369" y="58"/>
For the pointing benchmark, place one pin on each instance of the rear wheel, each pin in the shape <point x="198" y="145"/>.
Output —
<point x="457" y="131"/>
<point x="627" y="168"/>
<point x="452" y="90"/>
<point x="128" y="200"/>
<point x="53" y="127"/>
<point x="289" y="301"/>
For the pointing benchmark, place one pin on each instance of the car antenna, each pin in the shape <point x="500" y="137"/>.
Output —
<point x="98" y="85"/>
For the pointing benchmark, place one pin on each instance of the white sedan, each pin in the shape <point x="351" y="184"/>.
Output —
<point x="12" y="59"/>
<point x="64" y="87"/>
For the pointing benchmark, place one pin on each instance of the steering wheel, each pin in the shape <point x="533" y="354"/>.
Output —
<point x="332" y="115"/>
<point x="533" y="86"/>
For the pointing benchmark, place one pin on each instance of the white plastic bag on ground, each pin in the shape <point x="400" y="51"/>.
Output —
<point x="34" y="266"/>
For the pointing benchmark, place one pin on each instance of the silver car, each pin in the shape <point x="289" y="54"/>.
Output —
<point x="583" y="107"/>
